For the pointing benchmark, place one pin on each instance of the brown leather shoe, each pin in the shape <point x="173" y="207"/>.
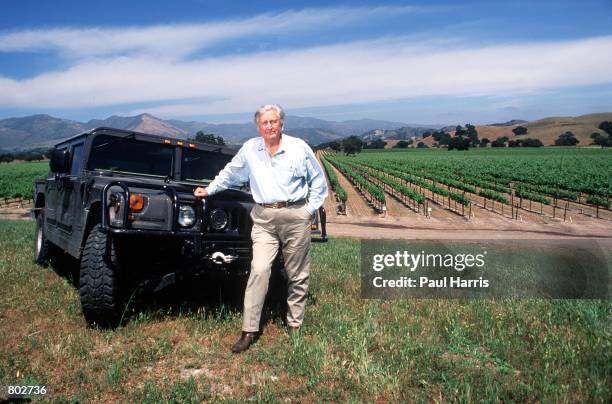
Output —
<point x="293" y="329"/>
<point x="245" y="341"/>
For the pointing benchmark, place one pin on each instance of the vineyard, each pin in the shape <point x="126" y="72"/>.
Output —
<point x="548" y="182"/>
<point x="17" y="180"/>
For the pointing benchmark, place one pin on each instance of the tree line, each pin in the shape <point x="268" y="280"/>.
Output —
<point x="208" y="138"/>
<point x="26" y="155"/>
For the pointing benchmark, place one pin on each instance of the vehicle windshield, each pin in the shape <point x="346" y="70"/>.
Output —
<point x="131" y="156"/>
<point x="201" y="165"/>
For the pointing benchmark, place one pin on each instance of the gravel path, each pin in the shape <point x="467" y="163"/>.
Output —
<point x="416" y="226"/>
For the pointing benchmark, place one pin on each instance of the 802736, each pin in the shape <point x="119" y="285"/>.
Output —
<point x="25" y="390"/>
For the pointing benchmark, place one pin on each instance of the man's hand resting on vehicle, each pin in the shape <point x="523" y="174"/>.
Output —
<point x="200" y="192"/>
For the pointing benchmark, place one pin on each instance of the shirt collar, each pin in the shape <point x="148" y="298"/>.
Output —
<point x="281" y="149"/>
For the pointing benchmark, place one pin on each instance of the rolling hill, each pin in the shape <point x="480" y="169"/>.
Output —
<point x="44" y="130"/>
<point x="547" y="130"/>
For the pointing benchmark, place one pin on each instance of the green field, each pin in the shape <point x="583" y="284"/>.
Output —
<point x="548" y="176"/>
<point x="17" y="179"/>
<point x="350" y="348"/>
<point x="587" y="170"/>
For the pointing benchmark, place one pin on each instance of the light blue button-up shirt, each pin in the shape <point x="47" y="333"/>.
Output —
<point x="293" y="173"/>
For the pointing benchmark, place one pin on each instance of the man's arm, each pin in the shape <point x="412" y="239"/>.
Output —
<point x="316" y="182"/>
<point x="235" y="172"/>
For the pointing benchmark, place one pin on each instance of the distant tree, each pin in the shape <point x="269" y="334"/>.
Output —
<point x="352" y="145"/>
<point x="601" y="140"/>
<point x="500" y="142"/>
<point x="532" y="143"/>
<point x="375" y="144"/>
<point x="336" y="146"/>
<point x="519" y="130"/>
<point x="566" y="139"/>
<point x="426" y="134"/>
<point x="28" y="155"/>
<point x="459" y="131"/>
<point x="6" y="158"/>
<point x="459" y="143"/>
<point x="472" y="134"/>
<point x="422" y="145"/>
<point x="484" y="142"/>
<point x="402" y="144"/>
<point x="606" y="126"/>
<point x="604" y="142"/>
<point x="439" y="134"/>
<point x="208" y="138"/>
<point x="514" y="143"/>
<point x="441" y="137"/>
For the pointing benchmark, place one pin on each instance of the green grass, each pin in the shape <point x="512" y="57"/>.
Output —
<point x="350" y="349"/>
<point x="17" y="180"/>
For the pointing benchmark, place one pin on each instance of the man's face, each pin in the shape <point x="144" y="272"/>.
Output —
<point x="270" y="126"/>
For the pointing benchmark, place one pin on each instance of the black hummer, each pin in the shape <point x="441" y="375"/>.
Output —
<point x="122" y="203"/>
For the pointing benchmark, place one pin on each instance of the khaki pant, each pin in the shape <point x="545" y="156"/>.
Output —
<point x="288" y="229"/>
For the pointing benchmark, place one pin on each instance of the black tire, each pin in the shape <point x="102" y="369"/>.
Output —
<point x="99" y="285"/>
<point x="42" y="246"/>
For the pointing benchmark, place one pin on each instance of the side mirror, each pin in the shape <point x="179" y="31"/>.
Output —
<point x="60" y="161"/>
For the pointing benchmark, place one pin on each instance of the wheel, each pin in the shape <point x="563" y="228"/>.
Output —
<point x="42" y="246"/>
<point x="99" y="279"/>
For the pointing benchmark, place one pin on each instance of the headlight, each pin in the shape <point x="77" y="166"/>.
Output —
<point x="116" y="206"/>
<point x="218" y="219"/>
<point x="186" y="216"/>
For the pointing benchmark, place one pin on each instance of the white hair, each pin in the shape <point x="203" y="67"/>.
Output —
<point x="270" y="107"/>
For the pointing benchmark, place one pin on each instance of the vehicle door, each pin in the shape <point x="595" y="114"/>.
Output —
<point x="53" y="194"/>
<point x="73" y="187"/>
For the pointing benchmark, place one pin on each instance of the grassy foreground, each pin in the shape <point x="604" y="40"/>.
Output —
<point x="351" y="349"/>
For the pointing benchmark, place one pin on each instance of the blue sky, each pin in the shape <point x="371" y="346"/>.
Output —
<point x="428" y="62"/>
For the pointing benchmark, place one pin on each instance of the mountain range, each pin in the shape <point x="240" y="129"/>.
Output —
<point x="44" y="130"/>
<point x="38" y="131"/>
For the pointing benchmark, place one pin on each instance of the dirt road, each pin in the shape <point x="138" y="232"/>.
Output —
<point x="415" y="226"/>
<point x="356" y="205"/>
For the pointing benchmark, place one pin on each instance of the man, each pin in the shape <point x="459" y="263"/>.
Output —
<point x="288" y="186"/>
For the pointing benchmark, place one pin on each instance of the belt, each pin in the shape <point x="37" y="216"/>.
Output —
<point x="282" y="204"/>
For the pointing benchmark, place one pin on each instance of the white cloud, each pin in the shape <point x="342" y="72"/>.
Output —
<point x="173" y="41"/>
<point x="349" y="73"/>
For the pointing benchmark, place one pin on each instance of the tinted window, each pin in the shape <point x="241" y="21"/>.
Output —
<point x="202" y="165"/>
<point x="131" y="156"/>
<point x="77" y="152"/>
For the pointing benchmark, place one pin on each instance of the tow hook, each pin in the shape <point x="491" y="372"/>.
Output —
<point x="219" y="258"/>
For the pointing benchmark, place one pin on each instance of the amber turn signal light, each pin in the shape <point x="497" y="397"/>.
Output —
<point x="136" y="202"/>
